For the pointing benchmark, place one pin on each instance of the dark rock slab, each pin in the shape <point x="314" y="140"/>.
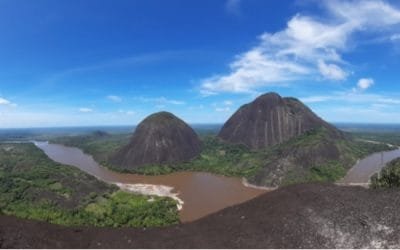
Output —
<point x="270" y="120"/>
<point x="161" y="138"/>
<point x="300" y="216"/>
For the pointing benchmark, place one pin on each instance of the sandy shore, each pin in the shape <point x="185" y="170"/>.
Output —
<point x="149" y="189"/>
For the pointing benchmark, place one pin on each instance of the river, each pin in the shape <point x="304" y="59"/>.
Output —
<point x="199" y="193"/>
<point x="362" y="171"/>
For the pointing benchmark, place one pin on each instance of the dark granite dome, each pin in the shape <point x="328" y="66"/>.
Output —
<point x="270" y="120"/>
<point x="161" y="138"/>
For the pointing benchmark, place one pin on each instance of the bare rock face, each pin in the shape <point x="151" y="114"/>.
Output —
<point x="161" y="138"/>
<point x="270" y="120"/>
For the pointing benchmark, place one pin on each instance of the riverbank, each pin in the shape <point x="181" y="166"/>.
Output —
<point x="34" y="187"/>
<point x="362" y="171"/>
<point x="314" y="156"/>
<point x="75" y="157"/>
<point x="212" y="192"/>
<point x="152" y="190"/>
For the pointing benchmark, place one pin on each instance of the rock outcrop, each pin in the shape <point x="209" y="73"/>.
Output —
<point x="270" y="120"/>
<point x="297" y="216"/>
<point x="161" y="138"/>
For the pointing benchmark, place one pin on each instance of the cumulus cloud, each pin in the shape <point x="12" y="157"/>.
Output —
<point x="114" y="98"/>
<point x="307" y="47"/>
<point x="365" y="83"/>
<point x="85" y="110"/>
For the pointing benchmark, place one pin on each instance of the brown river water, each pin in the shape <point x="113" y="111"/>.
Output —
<point x="201" y="193"/>
<point x="361" y="173"/>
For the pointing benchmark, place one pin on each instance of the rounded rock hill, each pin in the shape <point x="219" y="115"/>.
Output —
<point x="161" y="138"/>
<point x="270" y="120"/>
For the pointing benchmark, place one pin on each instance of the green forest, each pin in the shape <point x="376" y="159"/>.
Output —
<point x="34" y="187"/>
<point x="389" y="177"/>
<point x="235" y="160"/>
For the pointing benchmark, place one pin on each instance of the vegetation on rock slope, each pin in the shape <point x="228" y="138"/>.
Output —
<point x="391" y="138"/>
<point x="313" y="156"/>
<point x="389" y="177"/>
<point x="216" y="156"/>
<point x="100" y="147"/>
<point x="34" y="187"/>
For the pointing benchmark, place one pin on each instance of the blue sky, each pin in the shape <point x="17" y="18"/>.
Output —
<point x="96" y="62"/>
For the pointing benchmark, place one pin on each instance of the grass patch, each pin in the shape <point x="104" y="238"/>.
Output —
<point x="327" y="173"/>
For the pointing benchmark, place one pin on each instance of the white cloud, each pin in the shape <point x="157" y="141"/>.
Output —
<point x="315" y="99"/>
<point x="362" y="14"/>
<point x="331" y="71"/>
<point x="350" y="106"/>
<point x="354" y="98"/>
<point x="4" y="101"/>
<point x="160" y="100"/>
<point x="252" y="70"/>
<point x="224" y="106"/>
<point x="365" y="83"/>
<point x="85" y="110"/>
<point x="307" y="47"/>
<point x="114" y="98"/>
<point x="388" y="100"/>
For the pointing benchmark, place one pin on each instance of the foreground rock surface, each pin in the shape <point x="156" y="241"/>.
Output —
<point x="161" y="138"/>
<point x="300" y="216"/>
<point x="270" y="120"/>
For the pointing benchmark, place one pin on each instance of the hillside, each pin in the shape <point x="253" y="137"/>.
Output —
<point x="219" y="157"/>
<point x="294" y="146"/>
<point x="388" y="177"/>
<point x="270" y="120"/>
<point x="298" y="145"/>
<point x="314" y="156"/>
<point x="160" y="138"/>
<point x="34" y="187"/>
